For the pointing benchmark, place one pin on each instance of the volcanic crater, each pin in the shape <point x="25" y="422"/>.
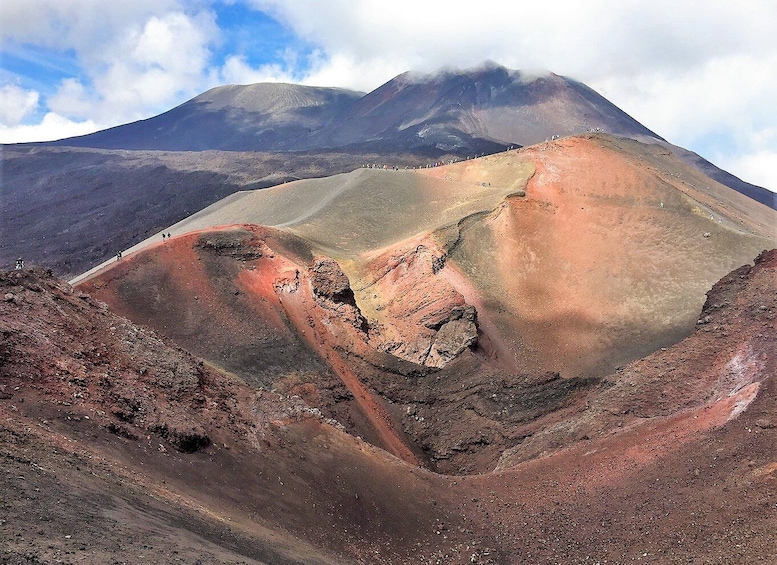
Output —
<point x="457" y="337"/>
<point x="561" y="353"/>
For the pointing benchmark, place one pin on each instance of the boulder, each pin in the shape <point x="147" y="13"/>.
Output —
<point x="452" y="339"/>
<point x="332" y="291"/>
<point x="329" y="281"/>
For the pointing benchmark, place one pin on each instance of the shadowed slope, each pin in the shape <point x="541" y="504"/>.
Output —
<point x="256" y="117"/>
<point x="69" y="208"/>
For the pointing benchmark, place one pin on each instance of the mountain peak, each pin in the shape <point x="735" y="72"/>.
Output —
<point x="487" y="70"/>
<point x="450" y="110"/>
<point x="271" y="96"/>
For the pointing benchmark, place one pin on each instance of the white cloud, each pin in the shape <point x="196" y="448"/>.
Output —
<point x="589" y="40"/>
<point x="164" y="59"/>
<point x="83" y="25"/>
<point x="52" y="127"/>
<point x="237" y="71"/>
<point x="16" y="104"/>
<point x="758" y="168"/>
<point x="71" y="99"/>
<point x="735" y="93"/>
<point x="145" y="67"/>
<point x="137" y="58"/>
<point x="723" y="110"/>
<point x="350" y="72"/>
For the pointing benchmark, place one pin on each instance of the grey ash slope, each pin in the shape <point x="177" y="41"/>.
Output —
<point x="69" y="208"/>
<point x="456" y="111"/>
<point x="490" y="102"/>
<point x="256" y="117"/>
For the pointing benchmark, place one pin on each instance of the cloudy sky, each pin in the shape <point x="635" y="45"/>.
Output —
<point x="701" y="73"/>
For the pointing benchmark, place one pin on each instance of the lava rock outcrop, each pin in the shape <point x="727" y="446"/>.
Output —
<point x="422" y="317"/>
<point x="332" y="290"/>
<point x="455" y="335"/>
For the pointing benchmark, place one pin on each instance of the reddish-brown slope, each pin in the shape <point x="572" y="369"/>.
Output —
<point x="229" y="297"/>
<point x="155" y="456"/>
<point x="605" y="259"/>
<point x="672" y="461"/>
<point x="676" y="463"/>
<point x="247" y="288"/>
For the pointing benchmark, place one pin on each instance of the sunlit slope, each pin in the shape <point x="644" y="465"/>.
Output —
<point x="351" y="214"/>
<point x="579" y="255"/>
<point x="609" y="256"/>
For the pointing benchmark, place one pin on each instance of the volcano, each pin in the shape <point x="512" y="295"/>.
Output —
<point x="556" y="353"/>
<point x="448" y="111"/>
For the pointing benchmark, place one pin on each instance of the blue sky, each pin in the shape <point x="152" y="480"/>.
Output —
<point x="701" y="73"/>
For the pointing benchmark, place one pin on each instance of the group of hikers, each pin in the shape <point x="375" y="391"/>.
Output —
<point x="436" y="163"/>
<point x="396" y="168"/>
<point x="20" y="262"/>
<point x="165" y="236"/>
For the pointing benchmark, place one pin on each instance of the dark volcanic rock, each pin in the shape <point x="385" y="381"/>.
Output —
<point x="186" y="439"/>
<point x="329" y="280"/>
<point x="71" y="208"/>
<point x="457" y="333"/>
<point x="237" y="244"/>
<point x="452" y="338"/>
<point x="332" y="290"/>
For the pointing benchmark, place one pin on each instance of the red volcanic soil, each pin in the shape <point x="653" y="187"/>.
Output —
<point x="227" y="296"/>
<point x="118" y="445"/>
<point x="605" y="259"/>
<point x="250" y="300"/>
<point x="578" y="256"/>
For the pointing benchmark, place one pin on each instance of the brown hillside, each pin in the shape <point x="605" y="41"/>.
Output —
<point x="138" y="451"/>
<point x="606" y="257"/>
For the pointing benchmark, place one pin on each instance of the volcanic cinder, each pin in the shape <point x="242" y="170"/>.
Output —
<point x="496" y="269"/>
<point x="137" y="449"/>
<point x="559" y="353"/>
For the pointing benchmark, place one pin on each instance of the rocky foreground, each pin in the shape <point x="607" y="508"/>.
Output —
<point x="118" y="446"/>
